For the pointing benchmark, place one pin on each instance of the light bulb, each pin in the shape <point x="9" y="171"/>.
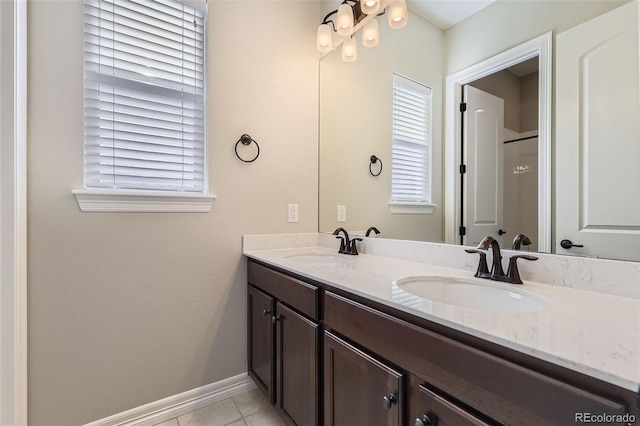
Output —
<point x="324" y="39"/>
<point x="397" y="14"/>
<point x="371" y="34"/>
<point x="349" y="50"/>
<point x="344" y="20"/>
<point x="370" y="7"/>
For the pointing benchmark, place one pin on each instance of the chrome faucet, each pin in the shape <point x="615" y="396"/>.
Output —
<point x="520" y="239"/>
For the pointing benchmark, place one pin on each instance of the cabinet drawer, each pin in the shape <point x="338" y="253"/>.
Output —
<point x="299" y="295"/>
<point x="504" y="391"/>
<point x="436" y="410"/>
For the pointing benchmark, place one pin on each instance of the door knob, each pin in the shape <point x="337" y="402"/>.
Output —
<point x="567" y="244"/>
<point x="388" y="401"/>
<point x="501" y="232"/>
<point x="423" y="421"/>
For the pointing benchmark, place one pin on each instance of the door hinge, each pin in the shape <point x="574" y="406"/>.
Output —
<point x="463" y="107"/>
<point x="463" y="169"/>
<point x="463" y="230"/>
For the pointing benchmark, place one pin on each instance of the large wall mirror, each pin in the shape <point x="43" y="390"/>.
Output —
<point x="356" y="108"/>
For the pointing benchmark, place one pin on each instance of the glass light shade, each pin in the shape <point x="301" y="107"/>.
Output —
<point x="370" y="7"/>
<point x="350" y="50"/>
<point x="344" y="21"/>
<point x="371" y="34"/>
<point x="324" y="39"/>
<point x="397" y="14"/>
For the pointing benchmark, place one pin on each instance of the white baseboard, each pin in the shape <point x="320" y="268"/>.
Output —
<point x="177" y="405"/>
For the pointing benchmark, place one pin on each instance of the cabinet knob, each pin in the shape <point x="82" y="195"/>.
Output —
<point x="423" y="421"/>
<point x="274" y="319"/>
<point x="388" y="401"/>
<point x="266" y="312"/>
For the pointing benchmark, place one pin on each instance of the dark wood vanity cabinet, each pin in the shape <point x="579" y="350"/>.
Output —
<point x="261" y="347"/>
<point x="283" y="343"/>
<point x="296" y="367"/>
<point x="385" y="367"/>
<point x="358" y="388"/>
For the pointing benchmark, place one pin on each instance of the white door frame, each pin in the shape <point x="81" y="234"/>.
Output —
<point x="13" y="213"/>
<point x="542" y="48"/>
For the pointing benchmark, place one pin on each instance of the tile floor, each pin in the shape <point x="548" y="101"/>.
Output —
<point x="247" y="409"/>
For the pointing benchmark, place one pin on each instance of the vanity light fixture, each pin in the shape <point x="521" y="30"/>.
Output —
<point x="398" y="14"/>
<point x="371" y="34"/>
<point x="370" y="7"/>
<point x="345" y="20"/>
<point x="324" y="39"/>
<point x="349" y="15"/>
<point x="350" y="50"/>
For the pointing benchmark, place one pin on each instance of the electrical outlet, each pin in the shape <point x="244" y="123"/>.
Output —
<point x="292" y="215"/>
<point x="342" y="213"/>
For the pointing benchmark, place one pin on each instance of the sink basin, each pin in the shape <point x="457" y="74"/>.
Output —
<point x="474" y="294"/>
<point x="316" y="257"/>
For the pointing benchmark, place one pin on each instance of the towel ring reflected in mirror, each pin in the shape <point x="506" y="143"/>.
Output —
<point x="246" y="140"/>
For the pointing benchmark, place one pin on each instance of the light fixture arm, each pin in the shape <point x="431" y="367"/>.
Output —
<point x="327" y="21"/>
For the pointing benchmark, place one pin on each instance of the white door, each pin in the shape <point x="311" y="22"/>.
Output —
<point x="483" y="156"/>
<point x="598" y="137"/>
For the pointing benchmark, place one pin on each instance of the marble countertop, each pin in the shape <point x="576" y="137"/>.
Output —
<point x="592" y="333"/>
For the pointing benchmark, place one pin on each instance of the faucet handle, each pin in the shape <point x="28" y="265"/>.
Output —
<point x="483" y="268"/>
<point x="354" y="249"/>
<point x="343" y="247"/>
<point x="513" y="276"/>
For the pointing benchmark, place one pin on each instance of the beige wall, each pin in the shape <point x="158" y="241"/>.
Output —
<point x="125" y="309"/>
<point x="508" y="23"/>
<point x="529" y="102"/>
<point x="355" y="123"/>
<point x="505" y="85"/>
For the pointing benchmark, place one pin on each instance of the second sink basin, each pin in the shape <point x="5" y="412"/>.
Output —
<point x="472" y="294"/>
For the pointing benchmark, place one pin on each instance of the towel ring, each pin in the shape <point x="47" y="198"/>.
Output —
<point x="373" y="160"/>
<point x="246" y="141"/>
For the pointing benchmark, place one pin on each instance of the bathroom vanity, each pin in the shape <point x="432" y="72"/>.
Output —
<point x="337" y="340"/>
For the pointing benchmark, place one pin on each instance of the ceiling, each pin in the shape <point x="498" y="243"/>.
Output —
<point x="446" y="13"/>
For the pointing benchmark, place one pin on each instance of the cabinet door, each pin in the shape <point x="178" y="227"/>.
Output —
<point x="436" y="410"/>
<point x="358" y="389"/>
<point x="297" y="367"/>
<point x="261" y="347"/>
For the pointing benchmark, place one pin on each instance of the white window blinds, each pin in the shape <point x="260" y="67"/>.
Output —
<point x="411" y="151"/>
<point x="144" y="68"/>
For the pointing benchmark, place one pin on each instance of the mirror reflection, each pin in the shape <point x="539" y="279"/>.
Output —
<point x="356" y="122"/>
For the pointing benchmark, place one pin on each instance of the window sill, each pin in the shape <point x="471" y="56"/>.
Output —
<point x="142" y="201"/>
<point x="411" y="208"/>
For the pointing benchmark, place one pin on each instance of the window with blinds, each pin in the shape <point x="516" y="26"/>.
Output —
<point x="144" y="91"/>
<point x="411" y="149"/>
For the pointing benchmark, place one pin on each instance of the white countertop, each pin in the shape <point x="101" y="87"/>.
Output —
<point x="591" y="333"/>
